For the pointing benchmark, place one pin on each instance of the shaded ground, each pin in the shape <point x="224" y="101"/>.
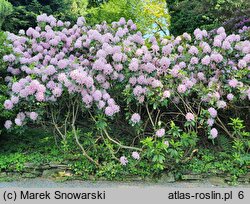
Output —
<point x="37" y="156"/>
<point x="45" y="183"/>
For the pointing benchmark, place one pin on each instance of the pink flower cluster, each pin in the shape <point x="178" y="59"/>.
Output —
<point x="189" y="117"/>
<point x="54" y="59"/>
<point x="160" y="132"/>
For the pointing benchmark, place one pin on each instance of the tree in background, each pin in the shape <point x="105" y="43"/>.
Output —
<point x="187" y="15"/>
<point x="79" y="7"/>
<point x="5" y="10"/>
<point x="155" y="18"/>
<point x="149" y="15"/>
<point x="95" y="3"/>
<point x="25" y="12"/>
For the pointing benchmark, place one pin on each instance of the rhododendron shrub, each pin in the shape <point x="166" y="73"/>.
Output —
<point x="62" y="74"/>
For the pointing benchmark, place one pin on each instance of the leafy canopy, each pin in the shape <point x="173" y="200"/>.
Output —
<point x="5" y="10"/>
<point x="187" y="15"/>
<point x="149" y="15"/>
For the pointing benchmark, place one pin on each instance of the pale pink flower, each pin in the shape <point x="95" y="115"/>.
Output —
<point x="242" y="64"/>
<point x="186" y="36"/>
<point x="216" y="57"/>
<point x="117" y="57"/>
<point x="16" y="87"/>
<point x="233" y="83"/>
<point x="57" y="91"/>
<point x="166" y="143"/>
<point x="205" y="60"/>
<point x="18" y="122"/>
<point x="40" y="96"/>
<point x="62" y="63"/>
<point x="134" y="65"/>
<point x="109" y="111"/>
<point x="214" y="133"/>
<point x="210" y="122"/>
<point x="166" y="94"/>
<point x="8" y="104"/>
<point x="194" y="60"/>
<point x="201" y="76"/>
<point x="226" y="45"/>
<point x="193" y="50"/>
<point x="97" y="95"/>
<point x="165" y="62"/>
<point x="123" y="160"/>
<point x="87" y="99"/>
<point x="8" y="124"/>
<point x="160" y="132"/>
<point x="136" y="155"/>
<point x="14" y="99"/>
<point x="220" y="30"/>
<point x="221" y="104"/>
<point x="181" y="88"/>
<point x="135" y="118"/>
<point x="230" y="96"/>
<point x="156" y="83"/>
<point x="189" y="117"/>
<point x="212" y="112"/>
<point x="33" y="116"/>
<point x="217" y="43"/>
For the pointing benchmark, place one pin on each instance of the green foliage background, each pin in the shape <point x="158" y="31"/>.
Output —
<point x="187" y="15"/>
<point x="4" y="49"/>
<point x="143" y="12"/>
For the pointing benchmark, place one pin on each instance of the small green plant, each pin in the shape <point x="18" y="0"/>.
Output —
<point x="241" y="143"/>
<point x="238" y="128"/>
<point x="171" y="150"/>
<point x="156" y="152"/>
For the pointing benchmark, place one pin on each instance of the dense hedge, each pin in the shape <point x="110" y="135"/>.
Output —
<point x="147" y="101"/>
